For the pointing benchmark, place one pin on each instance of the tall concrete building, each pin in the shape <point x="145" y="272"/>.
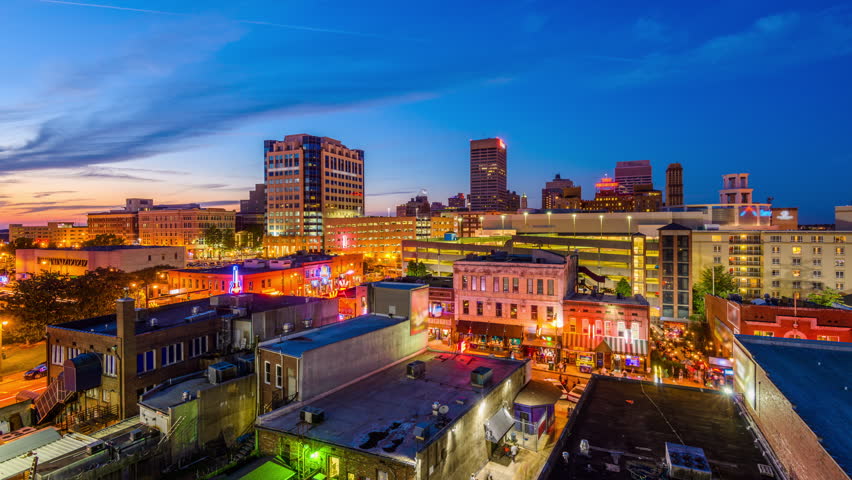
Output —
<point x="674" y="185"/>
<point x="309" y="178"/>
<point x="457" y="202"/>
<point x="252" y="212"/>
<point x="634" y="172"/>
<point x="488" y="175"/>
<point x="553" y="190"/>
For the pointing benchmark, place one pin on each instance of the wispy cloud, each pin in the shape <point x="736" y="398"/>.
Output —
<point x="220" y="203"/>
<point x="111" y="174"/>
<point x="27" y="208"/>
<point x="50" y="194"/>
<point x="387" y="194"/>
<point x="777" y="40"/>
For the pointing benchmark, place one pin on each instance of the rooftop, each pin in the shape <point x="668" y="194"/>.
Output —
<point x="377" y="414"/>
<point x="538" y="392"/>
<point x="170" y="393"/>
<point x="176" y="314"/>
<point x="329" y="334"/>
<point x="47" y="444"/>
<point x="536" y="256"/>
<point x="627" y="424"/>
<point x="107" y="248"/>
<point x="247" y="269"/>
<point x="399" y="285"/>
<point x="585" y="297"/>
<point x="814" y="376"/>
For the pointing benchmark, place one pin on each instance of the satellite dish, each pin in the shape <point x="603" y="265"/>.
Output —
<point x="443" y="409"/>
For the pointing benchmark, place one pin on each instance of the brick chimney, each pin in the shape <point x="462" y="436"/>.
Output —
<point x="125" y="321"/>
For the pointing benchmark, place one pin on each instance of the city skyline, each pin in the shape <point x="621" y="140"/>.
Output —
<point x="140" y="115"/>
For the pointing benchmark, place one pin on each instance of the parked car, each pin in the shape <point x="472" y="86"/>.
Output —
<point x="558" y="385"/>
<point x="576" y="392"/>
<point x="37" y="372"/>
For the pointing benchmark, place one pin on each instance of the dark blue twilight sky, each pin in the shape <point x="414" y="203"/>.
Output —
<point x="172" y="99"/>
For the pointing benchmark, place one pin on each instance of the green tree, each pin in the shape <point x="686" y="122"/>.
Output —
<point x="20" y="242"/>
<point x="104" y="240"/>
<point x="255" y="236"/>
<point x="623" y="287"/>
<point x="416" y="269"/>
<point x="94" y="294"/>
<point x="825" y="297"/>
<point x="148" y="276"/>
<point x="713" y="280"/>
<point x="212" y="237"/>
<point x="38" y="301"/>
<point x="228" y="240"/>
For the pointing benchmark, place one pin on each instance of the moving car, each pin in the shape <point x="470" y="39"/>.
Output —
<point x="558" y="385"/>
<point x="576" y="392"/>
<point x="37" y="372"/>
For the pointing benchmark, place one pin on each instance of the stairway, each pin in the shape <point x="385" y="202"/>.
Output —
<point x="54" y="396"/>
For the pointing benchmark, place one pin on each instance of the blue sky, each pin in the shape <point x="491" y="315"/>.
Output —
<point x="172" y="99"/>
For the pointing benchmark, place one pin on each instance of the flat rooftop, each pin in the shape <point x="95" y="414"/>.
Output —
<point x="297" y="261"/>
<point x="637" y="300"/>
<point x="107" y="248"/>
<point x="400" y="285"/>
<point x="627" y="423"/>
<point x="48" y="444"/>
<point x="329" y="334"/>
<point x="377" y="414"/>
<point x="814" y="376"/>
<point x="175" y="314"/>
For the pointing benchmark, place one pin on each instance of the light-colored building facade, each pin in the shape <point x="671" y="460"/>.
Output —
<point x="119" y="223"/>
<point x="309" y="179"/>
<point x="61" y="234"/>
<point x="512" y="302"/>
<point x="183" y="227"/>
<point x="78" y="261"/>
<point x="735" y="189"/>
<point x="488" y="175"/>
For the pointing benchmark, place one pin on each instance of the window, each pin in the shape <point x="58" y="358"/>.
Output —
<point x="383" y="475"/>
<point x="110" y="369"/>
<point x="797" y="261"/>
<point x="171" y="354"/>
<point x="73" y="352"/>
<point x="776" y="273"/>
<point x="797" y="273"/>
<point x="717" y="249"/>
<point x="796" y="238"/>
<point x="817" y="250"/>
<point x="776" y="283"/>
<point x="828" y="338"/>
<point x="56" y="354"/>
<point x="198" y="346"/>
<point x="515" y="286"/>
<point x="797" y="284"/>
<point x="496" y="284"/>
<point x="817" y="262"/>
<point x="816" y="239"/>
<point x="539" y="286"/>
<point x="533" y="312"/>
<point x="506" y="284"/>
<point x="775" y="238"/>
<point x="267" y="372"/>
<point x="797" y="250"/>
<point x="145" y="361"/>
<point x="530" y="285"/>
<point x="776" y="261"/>
<point x="466" y="307"/>
<point x="839" y="251"/>
<point x="549" y="314"/>
<point x="279" y="376"/>
<point x="839" y="263"/>
<point x="498" y="309"/>
<point x="550" y="287"/>
<point x="817" y="273"/>
<point x="764" y="333"/>
<point x="838" y="286"/>
<point x="474" y="283"/>
<point x="716" y="238"/>
<point x="840" y="239"/>
<point x="464" y="282"/>
<point x="482" y="284"/>
<point x="776" y="249"/>
<point x="513" y="310"/>
<point x="479" y="308"/>
<point x="717" y="260"/>
<point x="839" y="274"/>
<point x="620" y="327"/>
<point x="634" y="330"/>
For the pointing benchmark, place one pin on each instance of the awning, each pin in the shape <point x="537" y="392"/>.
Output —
<point x="626" y="346"/>
<point x="538" y="342"/>
<point x="485" y="328"/>
<point x="621" y="345"/>
<point x="498" y="425"/>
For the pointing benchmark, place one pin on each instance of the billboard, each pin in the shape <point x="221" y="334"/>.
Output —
<point x="785" y="218"/>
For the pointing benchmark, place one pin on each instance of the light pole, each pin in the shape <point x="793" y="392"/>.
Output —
<point x="599" y="245"/>
<point x="629" y="231"/>
<point x="502" y="223"/>
<point x="388" y="211"/>
<point x="2" y="324"/>
<point x="548" y="218"/>
<point x="525" y="218"/>
<point x="574" y="217"/>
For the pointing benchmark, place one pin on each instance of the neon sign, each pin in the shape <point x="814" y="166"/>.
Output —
<point x="236" y="285"/>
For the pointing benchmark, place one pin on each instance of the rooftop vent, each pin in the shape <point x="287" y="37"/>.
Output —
<point x="421" y="431"/>
<point x="186" y="396"/>
<point x="765" y="470"/>
<point x="220" y="372"/>
<point x="481" y="377"/>
<point x="154" y="323"/>
<point x="687" y="463"/>
<point x="287" y="327"/>
<point x="312" y="415"/>
<point x="95" y="447"/>
<point x="415" y="369"/>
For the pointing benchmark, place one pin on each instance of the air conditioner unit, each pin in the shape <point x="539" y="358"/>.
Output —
<point x="95" y="447"/>
<point x="312" y="415"/>
<point x="421" y="431"/>
<point x="220" y="372"/>
<point x="415" y="369"/>
<point x="137" y="434"/>
<point x="481" y="377"/>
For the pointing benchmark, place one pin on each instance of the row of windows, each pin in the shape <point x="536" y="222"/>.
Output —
<point x="507" y="284"/>
<point x="170" y="354"/>
<point x="58" y="354"/>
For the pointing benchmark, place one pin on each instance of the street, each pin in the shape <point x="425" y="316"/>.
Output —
<point x="19" y="359"/>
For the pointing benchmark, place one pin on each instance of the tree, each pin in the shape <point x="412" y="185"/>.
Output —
<point x="623" y="288"/>
<point x="38" y="301"/>
<point x="255" y="236"/>
<point x="825" y="297"/>
<point x="416" y="269"/>
<point x="94" y="294"/>
<point x="212" y="237"/>
<point x="20" y="242"/>
<point x="714" y="280"/>
<point x="104" y="240"/>
<point x="228" y="240"/>
<point x="147" y="276"/>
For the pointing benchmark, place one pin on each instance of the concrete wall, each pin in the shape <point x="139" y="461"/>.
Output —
<point x="227" y="409"/>
<point x="794" y="443"/>
<point x="15" y="416"/>
<point x="325" y="368"/>
<point x="270" y="323"/>
<point x="455" y="454"/>
<point x="128" y="260"/>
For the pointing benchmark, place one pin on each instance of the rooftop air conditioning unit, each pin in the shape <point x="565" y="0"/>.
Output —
<point x="137" y="434"/>
<point x="95" y="447"/>
<point x="687" y="463"/>
<point x="287" y="327"/>
<point x="220" y="372"/>
<point x="421" y="431"/>
<point x="481" y="377"/>
<point x="415" y="369"/>
<point x="312" y="415"/>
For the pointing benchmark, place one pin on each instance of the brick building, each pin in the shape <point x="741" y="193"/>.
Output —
<point x="78" y="261"/>
<point x="62" y="234"/>
<point x="728" y="318"/>
<point x="183" y="226"/>
<point x="120" y="223"/>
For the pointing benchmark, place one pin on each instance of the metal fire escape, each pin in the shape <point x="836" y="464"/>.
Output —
<point x="52" y="398"/>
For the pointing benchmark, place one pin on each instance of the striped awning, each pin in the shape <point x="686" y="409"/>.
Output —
<point x="622" y="345"/>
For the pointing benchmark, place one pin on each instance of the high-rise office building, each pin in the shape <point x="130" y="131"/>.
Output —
<point x="457" y="202"/>
<point x="634" y="172"/>
<point x="309" y="178"/>
<point x="488" y="175"/>
<point x="674" y="185"/>
<point x="553" y="190"/>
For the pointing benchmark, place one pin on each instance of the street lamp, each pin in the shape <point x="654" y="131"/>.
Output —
<point x="502" y="223"/>
<point x="525" y="218"/>
<point x="574" y="217"/>
<point x="548" y="218"/>
<point x="2" y="324"/>
<point x="629" y="231"/>
<point x="599" y="244"/>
